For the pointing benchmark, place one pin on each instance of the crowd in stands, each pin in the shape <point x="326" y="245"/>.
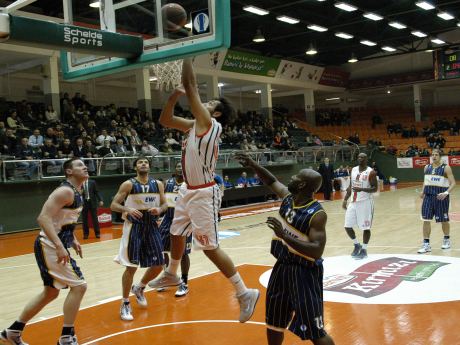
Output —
<point x="332" y="117"/>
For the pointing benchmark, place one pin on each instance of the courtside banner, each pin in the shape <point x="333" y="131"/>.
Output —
<point x="420" y="162"/>
<point x="405" y="163"/>
<point x="454" y="161"/>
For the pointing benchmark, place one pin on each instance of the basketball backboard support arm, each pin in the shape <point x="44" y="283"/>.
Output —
<point x="17" y="5"/>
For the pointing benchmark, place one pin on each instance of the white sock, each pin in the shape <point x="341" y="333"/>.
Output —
<point x="141" y="285"/>
<point x="355" y="241"/>
<point x="238" y="284"/>
<point x="365" y="246"/>
<point x="173" y="266"/>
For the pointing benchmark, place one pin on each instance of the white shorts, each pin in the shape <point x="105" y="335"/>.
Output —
<point x="56" y="274"/>
<point x="197" y="213"/>
<point x="360" y="214"/>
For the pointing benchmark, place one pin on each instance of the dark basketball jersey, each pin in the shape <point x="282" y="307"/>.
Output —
<point x="296" y="222"/>
<point x="143" y="197"/>
<point x="435" y="182"/>
<point x="171" y="193"/>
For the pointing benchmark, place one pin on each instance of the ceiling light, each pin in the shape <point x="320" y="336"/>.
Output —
<point x="346" y="7"/>
<point x="311" y="50"/>
<point x="397" y="25"/>
<point x="388" y="49"/>
<point x="437" y="41"/>
<point x="153" y="79"/>
<point x="333" y="99"/>
<point x="258" y="91"/>
<point x="458" y="24"/>
<point x="95" y="4"/>
<point x="388" y="91"/>
<point x="418" y="33"/>
<point x="372" y="16"/>
<point x="220" y="84"/>
<point x="317" y="27"/>
<point x="256" y="10"/>
<point x="344" y="35"/>
<point x="353" y="59"/>
<point x="425" y="5"/>
<point x="258" y="37"/>
<point x="445" y="16"/>
<point x="288" y="20"/>
<point x="368" y="43"/>
<point x="320" y="0"/>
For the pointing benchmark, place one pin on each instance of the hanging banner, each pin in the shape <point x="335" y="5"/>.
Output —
<point x="404" y="163"/>
<point x="298" y="71"/>
<point x="246" y="63"/>
<point x="334" y="77"/>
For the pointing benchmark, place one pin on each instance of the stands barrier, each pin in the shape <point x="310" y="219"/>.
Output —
<point x="42" y="169"/>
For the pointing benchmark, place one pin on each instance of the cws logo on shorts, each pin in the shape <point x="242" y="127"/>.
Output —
<point x="380" y="276"/>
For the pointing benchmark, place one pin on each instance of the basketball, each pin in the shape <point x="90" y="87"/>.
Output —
<point x="174" y="17"/>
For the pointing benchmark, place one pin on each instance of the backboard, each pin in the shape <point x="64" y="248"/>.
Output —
<point x="210" y="30"/>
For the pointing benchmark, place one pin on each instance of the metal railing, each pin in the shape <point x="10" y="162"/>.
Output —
<point x="42" y="169"/>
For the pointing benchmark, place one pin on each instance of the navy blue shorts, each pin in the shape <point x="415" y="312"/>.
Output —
<point x="432" y="207"/>
<point x="295" y="299"/>
<point x="165" y="227"/>
<point x="144" y="247"/>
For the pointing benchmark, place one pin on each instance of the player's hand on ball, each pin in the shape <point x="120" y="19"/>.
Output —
<point x="243" y="158"/>
<point x="274" y="224"/>
<point x="344" y="204"/>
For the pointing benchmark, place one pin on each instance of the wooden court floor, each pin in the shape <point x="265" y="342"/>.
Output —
<point x="208" y="314"/>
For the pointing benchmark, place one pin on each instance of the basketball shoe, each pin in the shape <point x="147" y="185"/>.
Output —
<point x="182" y="290"/>
<point x="12" y="337"/>
<point x="139" y="293"/>
<point x="361" y="255"/>
<point x="248" y="302"/>
<point x="125" y="312"/>
<point x="425" y="248"/>
<point x="445" y="243"/>
<point x="356" y="250"/>
<point x="164" y="280"/>
<point x="67" y="340"/>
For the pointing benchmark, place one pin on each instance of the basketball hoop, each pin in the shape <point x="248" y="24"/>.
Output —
<point x="167" y="75"/>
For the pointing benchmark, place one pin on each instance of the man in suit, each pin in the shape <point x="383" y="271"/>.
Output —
<point x="327" y="173"/>
<point x="91" y="200"/>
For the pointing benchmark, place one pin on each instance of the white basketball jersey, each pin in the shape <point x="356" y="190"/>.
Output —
<point x="360" y="179"/>
<point x="199" y="155"/>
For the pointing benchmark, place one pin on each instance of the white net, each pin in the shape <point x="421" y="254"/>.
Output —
<point x="167" y="75"/>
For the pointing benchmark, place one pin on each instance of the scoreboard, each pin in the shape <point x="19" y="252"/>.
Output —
<point x="447" y="64"/>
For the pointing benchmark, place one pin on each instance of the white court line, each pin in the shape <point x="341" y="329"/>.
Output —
<point x="170" y="324"/>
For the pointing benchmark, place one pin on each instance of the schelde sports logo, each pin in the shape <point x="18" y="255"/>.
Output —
<point x="81" y="36"/>
<point x="389" y="279"/>
<point x="380" y="276"/>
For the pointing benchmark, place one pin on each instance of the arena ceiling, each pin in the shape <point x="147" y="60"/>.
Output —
<point x="291" y="41"/>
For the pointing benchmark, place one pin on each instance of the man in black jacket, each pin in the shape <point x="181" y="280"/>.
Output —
<point x="91" y="200"/>
<point x="327" y="173"/>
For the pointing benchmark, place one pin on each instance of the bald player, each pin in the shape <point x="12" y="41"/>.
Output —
<point x="295" y="290"/>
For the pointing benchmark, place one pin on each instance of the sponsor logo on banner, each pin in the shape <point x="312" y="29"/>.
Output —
<point x="334" y="77"/>
<point x="389" y="279"/>
<point x="454" y="161"/>
<point x="104" y="218"/>
<point x="404" y="163"/>
<point x="247" y="63"/>
<point x="420" y="162"/>
<point x="82" y="36"/>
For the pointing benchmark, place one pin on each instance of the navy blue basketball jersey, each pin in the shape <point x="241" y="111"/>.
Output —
<point x="435" y="182"/>
<point x="171" y="193"/>
<point x="296" y="222"/>
<point x="143" y="197"/>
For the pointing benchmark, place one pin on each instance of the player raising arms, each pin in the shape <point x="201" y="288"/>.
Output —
<point x="144" y="201"/>
<point x="199" y="198"/>
<point x="295" y="290"/>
